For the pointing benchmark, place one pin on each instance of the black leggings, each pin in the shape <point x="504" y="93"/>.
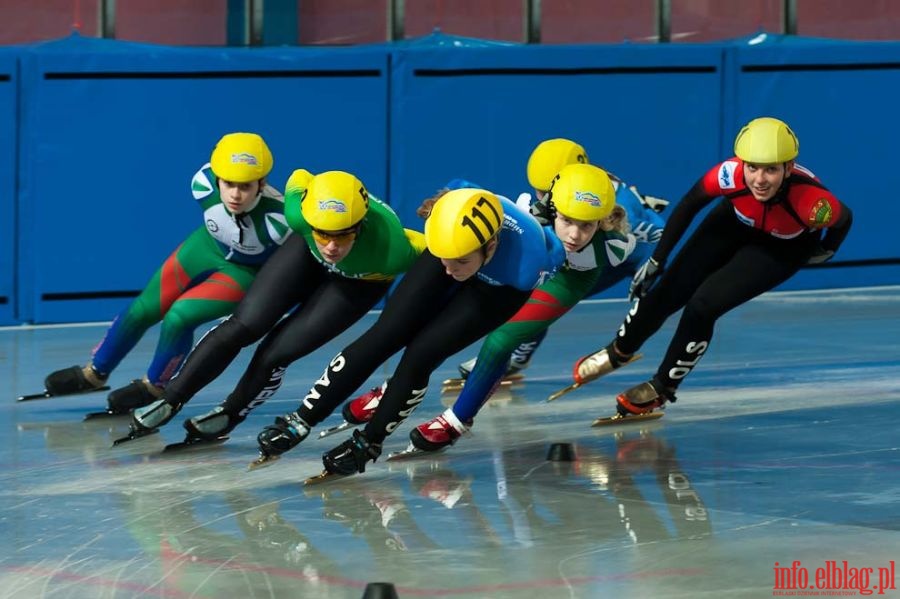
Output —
<point x="328" y="305"/>
<point x="722" y="265"/>
<point x="433" y="317"/>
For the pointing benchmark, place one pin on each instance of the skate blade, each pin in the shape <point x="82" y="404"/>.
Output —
<point x="456" y="385"/>
<point x="48" y="395"/>
<point x="262" y="461"/>
<point x="133" y="435"/>
<point x="412" y="452"/>
<point x="561" y="392"/>
<point x="619" y="419"/>
<point x="335" y="429"/>
<point x="194" y="443"/>
<point x="107" y="415"/>
<point x="324" y="477"/>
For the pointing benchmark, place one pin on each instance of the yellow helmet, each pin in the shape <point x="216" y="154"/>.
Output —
<point x="582" y="192"/>
<point x="462" y="221"/>
<point x="766" y="141"/>
<point x="334" y="201"/>
<point x="549" y="157"/>
<point x="241" y="158"/>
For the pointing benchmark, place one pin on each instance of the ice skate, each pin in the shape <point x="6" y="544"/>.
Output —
<point x="351" y="456"/>
<point x="194" y="443"/>
<point x="69" y="381"/>
<point x="213" y="425"/>
<point x="438" y="433"/>
<point x="323" y="477"/>
<point x="358" y="411"/>
<point x="137" y="394"/>
<point x="513" y="375"/>
<point x="335" y="429"/>
<point x="617" y="419"/>
<point x="286" y="433"/>
<point x="412" y="452"/>
<point x="210" y="429"/>
<point x="455" y="385"/>
<point x="600" y="363"/>
<point x="105" y="415"/>
<point x="262" y="461"/>
<point x="147" y="420"/>
<point x="640" y="403"/>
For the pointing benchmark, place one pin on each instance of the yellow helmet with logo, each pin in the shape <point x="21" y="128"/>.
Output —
<point x="766" y="141"/>
<point x="334" y="201"/>
<point x="241" y="158"/>
<point x="462" y="221"/>
<point x="549" y="157"/>
<point x="582" y="192"/>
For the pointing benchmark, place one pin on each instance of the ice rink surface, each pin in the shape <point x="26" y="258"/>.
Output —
<point x="784" y="447"/>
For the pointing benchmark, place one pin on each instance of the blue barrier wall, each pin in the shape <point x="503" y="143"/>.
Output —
<point x="110" y="134"/>
<point x="114" y="132"/>
<point x="8" y="156"/>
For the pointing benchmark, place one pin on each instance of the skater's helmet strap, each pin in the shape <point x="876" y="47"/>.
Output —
<point x="582" y="192"/>
<point x="241" y="158"/>
<point x="462" y="221"/>
<point x="334" y="201"/>
<point x="549" y="157"/>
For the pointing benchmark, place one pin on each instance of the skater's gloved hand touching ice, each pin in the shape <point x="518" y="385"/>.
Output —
<point x="599" y="363"/>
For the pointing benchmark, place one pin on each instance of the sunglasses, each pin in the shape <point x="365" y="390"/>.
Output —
<point x="339" y="237"/>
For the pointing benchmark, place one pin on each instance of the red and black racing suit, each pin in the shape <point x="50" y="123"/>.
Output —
<point x="743" y="248"/>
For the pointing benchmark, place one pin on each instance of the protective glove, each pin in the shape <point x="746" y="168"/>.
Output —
<point x="652" y="202"/>
<point x="540" y="210"/>
<point x="644" y="279"/>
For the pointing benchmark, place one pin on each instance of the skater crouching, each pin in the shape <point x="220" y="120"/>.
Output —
<point x="348" y="249"/>
<point x="484" y="256"/>
<point x="768" y="226"/>
<point x="203" y="279"/>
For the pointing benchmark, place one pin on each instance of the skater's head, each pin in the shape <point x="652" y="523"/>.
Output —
<point x="581" y="199"/>
<point x="462" y="230"/>
<point x="241" y="162"/>
<point x="768" y="149"/>
<point x="548" y="158"/>
<point x="334" y="204"/>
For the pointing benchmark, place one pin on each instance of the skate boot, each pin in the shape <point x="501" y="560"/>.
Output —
<point x="599" y="363"/>
<point x="76" y="379"/>
<point x="147" y="420"/>
<point x="153" y="416"/>
<point x="351" y="456"/>
<point x="137" y="394"/>
<point x="213" y="425"/>
<point x="643" y="398"/>
<point x="439" y="432"/>
<point x="287" y="432"/>
<point x="361" y="409"/>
